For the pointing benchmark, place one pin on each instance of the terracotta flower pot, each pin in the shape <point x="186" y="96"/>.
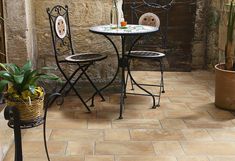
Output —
<point x="224" y="88"/>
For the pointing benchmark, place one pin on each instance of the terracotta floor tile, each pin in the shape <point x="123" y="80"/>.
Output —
<point x="186" y="127"/>
<point x="75" y="135"/>
<point x="108" y="115"/>
<point x="192" y="158"/>
<point x="35" y="134"/>
<point x="36" y="148"/>
<point x="67" y="124"/>
<point x="201" y="106"/>
<point x="206" y="123"/>
<point x="153" y="114"/>
<point x="177" y="93"/>
<point x="116" y="135"/>
<point x="168" y="148"/>
<point x="60" y="114"/>
<point x="198" y="93"/>
<point x="146" y="158"/>
<point x="80" y="147"/>
<point x="53" y="158"/>
<point x="72" y="103"/>
<point x="85" y="115"/>
<point x="196" y="134"/>
<point x="137" y="124"/>
<point x="155" y="135"/>
<point x="221" y="114"/>
<point x="35" y="159"/>
<point x="132" y="100"/>
<point x="222" y="134"/>
<point x="99" y="124"/>
<point x="174" y="107"/>
<point x="99" y="158"/>
<point x="68" y="158"/>
<point x="208" y="148"/>
<point x="189" y="99"/>
<point x="173" y="124"/>
<point x="124" y="148"/>
<point x="181" y="114"/>
<point x="222" y="158"/>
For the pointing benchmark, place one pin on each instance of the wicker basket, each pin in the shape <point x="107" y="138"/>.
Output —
<point x="29" y="112"/>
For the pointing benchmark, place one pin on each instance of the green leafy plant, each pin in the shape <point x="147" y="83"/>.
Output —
<point x="229" y="48"/>
<point x="22" y="81"/>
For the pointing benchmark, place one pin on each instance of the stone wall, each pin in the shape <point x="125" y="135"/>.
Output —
<point x="216" y="37"/>
<point x="198" y="45"/>
<point x="28" y="34"/>
<point x="16" y="31"/>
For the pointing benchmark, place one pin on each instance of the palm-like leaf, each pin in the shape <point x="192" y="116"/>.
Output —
<point x="3" y="84"/>
<point x="27" y="66"/>
<point x="24" y="78"/>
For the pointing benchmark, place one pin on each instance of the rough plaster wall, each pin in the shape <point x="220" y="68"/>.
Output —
<point x="212" y="36"/>
<point x="198" y="46"/>
<point x="30" y="34"/>
<point x="217" y="34"/>
<point x="16" y="28"/>
<point x="209" y="39"/>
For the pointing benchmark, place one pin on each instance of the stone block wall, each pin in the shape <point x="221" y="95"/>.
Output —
<point x="28" y="32"/>
<point x="216" y="37"/>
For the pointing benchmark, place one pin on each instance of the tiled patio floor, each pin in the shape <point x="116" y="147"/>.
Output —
<point x="187" y="126"/>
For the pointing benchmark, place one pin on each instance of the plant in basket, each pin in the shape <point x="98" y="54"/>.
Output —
<point x="23" y="90"/>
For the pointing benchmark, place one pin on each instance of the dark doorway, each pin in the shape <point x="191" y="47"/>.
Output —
<point x="181" y="20"/>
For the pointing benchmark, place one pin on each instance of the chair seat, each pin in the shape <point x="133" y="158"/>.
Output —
<point x="146" y="54"/>
<point x="85" y="57"/>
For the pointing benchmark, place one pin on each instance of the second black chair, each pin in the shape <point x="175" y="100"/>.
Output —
<point x="151" y="19"/>
<point x="64" y="52"/>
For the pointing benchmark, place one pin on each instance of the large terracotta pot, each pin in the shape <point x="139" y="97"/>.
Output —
<point x="224" y="88"/>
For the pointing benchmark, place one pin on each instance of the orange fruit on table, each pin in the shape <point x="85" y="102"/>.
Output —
<point x="123" y="23"/>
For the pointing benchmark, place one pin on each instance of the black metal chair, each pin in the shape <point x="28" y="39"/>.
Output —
<point x="64" y="52"/>
<point x="139" y="14"/>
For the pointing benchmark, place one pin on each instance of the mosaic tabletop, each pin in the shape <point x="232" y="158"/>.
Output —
<point x="127" y="30"/>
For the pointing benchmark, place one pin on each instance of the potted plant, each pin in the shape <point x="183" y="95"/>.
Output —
<point x="23" y="90"/>
<point x="225" y="72"/>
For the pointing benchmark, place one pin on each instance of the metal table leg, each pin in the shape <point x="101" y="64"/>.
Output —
<point x="12" y="114"/>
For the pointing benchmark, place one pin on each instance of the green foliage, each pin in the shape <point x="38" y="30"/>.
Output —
<point x="231" y="20"/>
<point x="22" y="79"/>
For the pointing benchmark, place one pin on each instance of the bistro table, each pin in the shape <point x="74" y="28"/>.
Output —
<point x="130" y="30"/>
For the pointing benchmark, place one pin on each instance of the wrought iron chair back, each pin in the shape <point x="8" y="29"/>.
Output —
<point x="60" y="30"/>
<point x="157" y="8"/>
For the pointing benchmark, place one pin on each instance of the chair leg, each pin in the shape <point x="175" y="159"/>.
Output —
<point x="65" y="84"/>
<point x="127" y="77"/>
<point x="139" y="86"/>
<point x="93" y="85"/>
<point x="161" y="84"/>
<point x="162" y="79"/>
<point x="72" y="87"/>
<point x="132" y="83"/>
